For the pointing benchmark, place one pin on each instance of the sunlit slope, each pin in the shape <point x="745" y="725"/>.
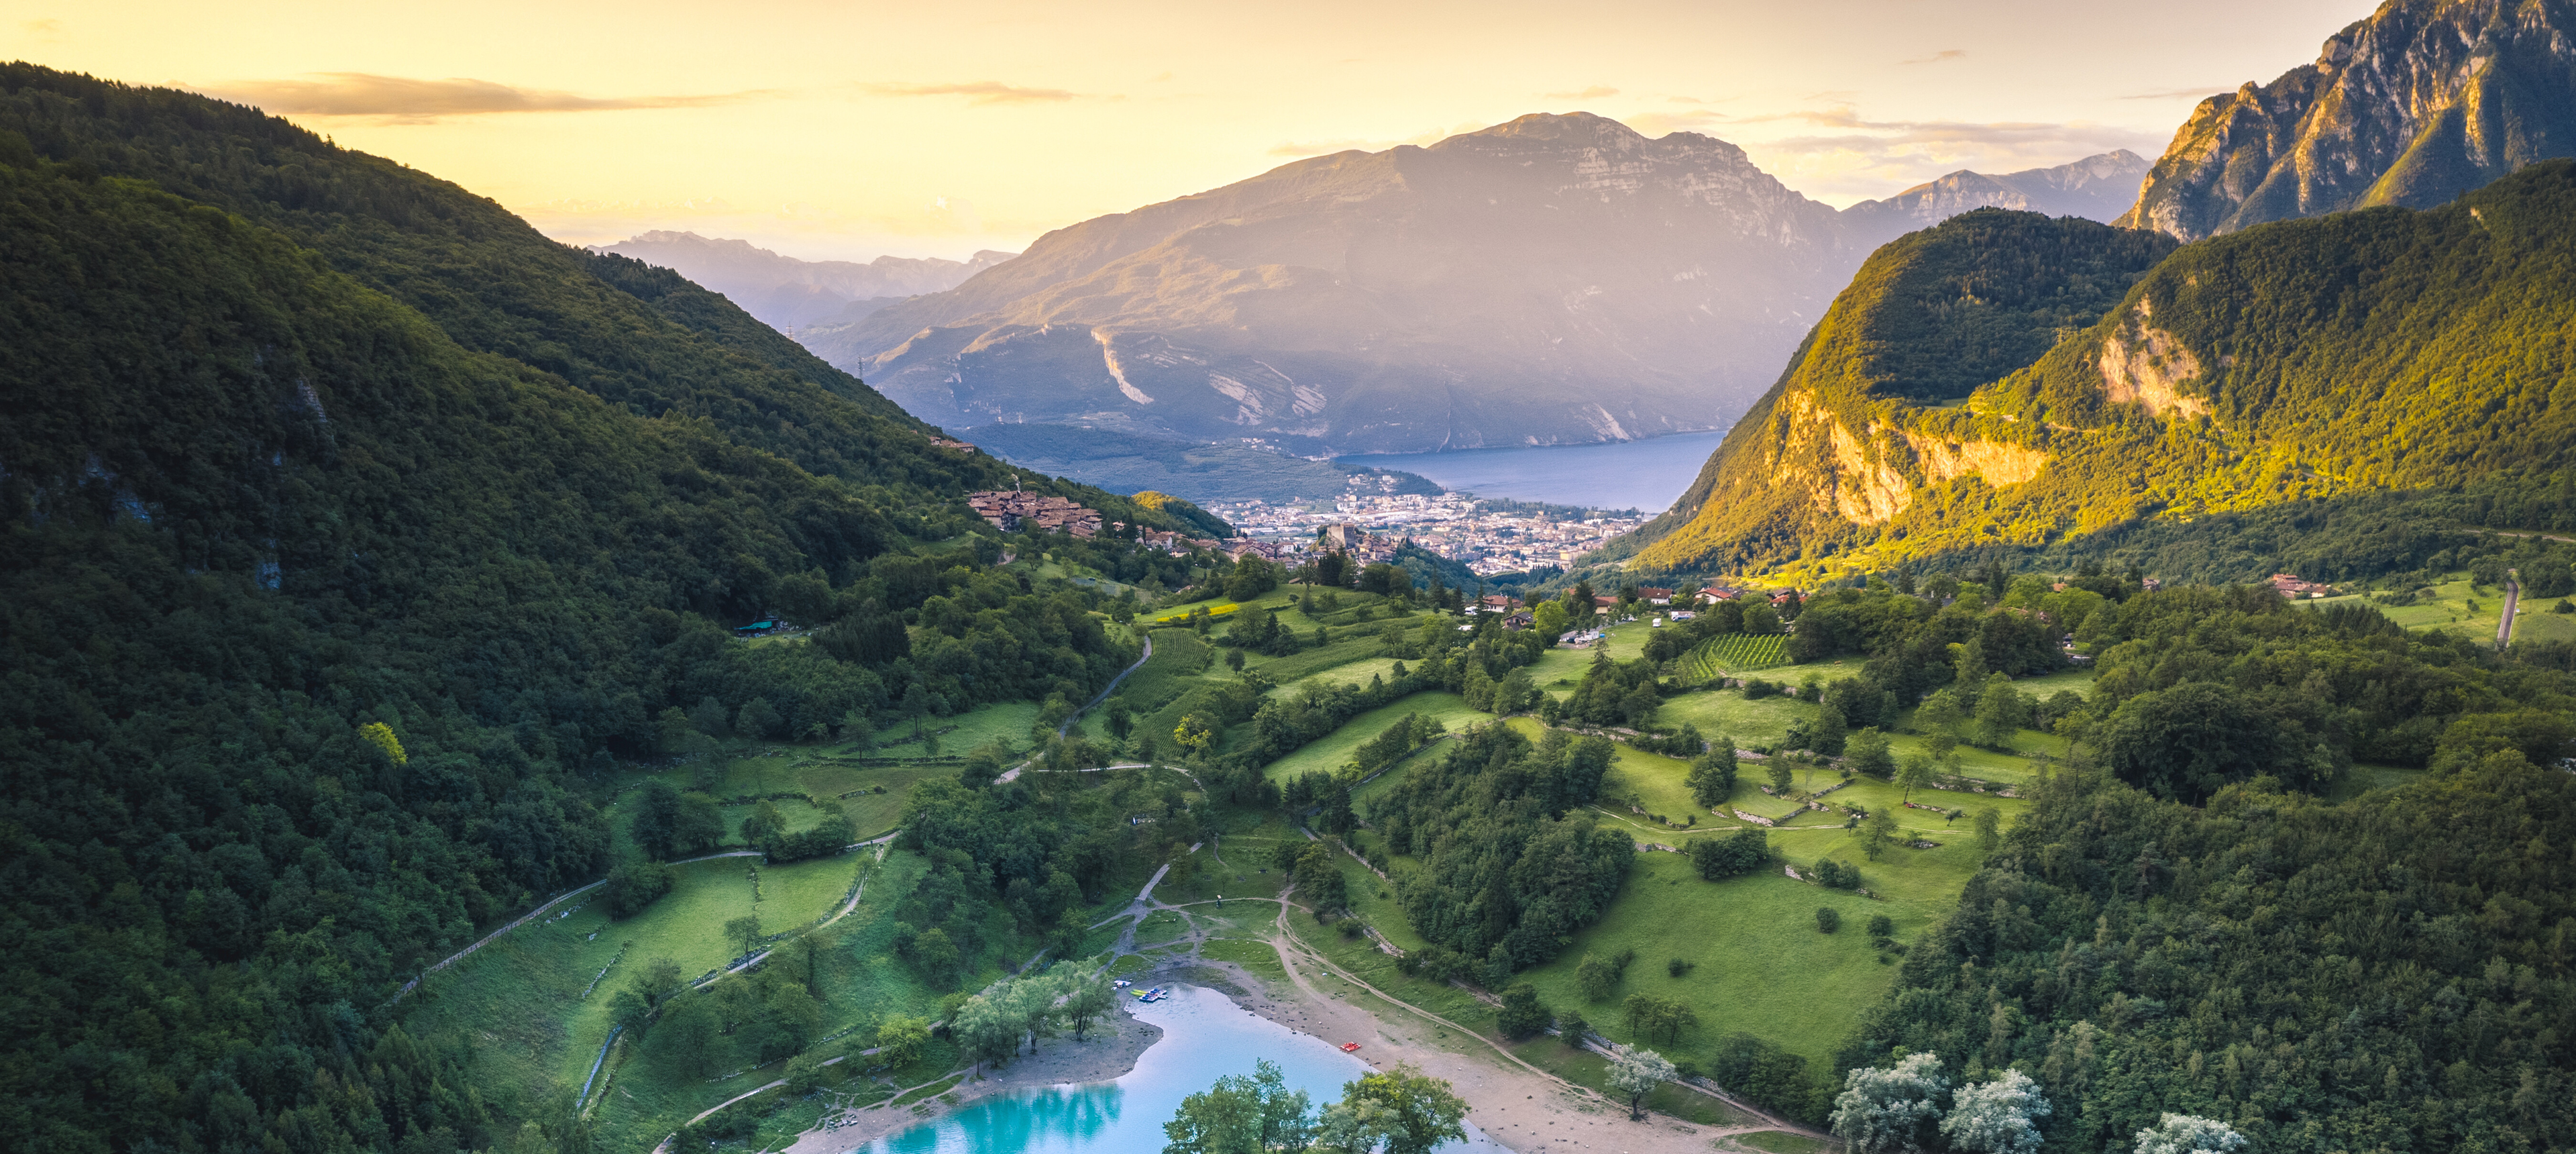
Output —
<point x="2382" y="350"/>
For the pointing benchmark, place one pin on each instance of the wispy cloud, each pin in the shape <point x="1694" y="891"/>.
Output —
<point x="400" y="99"/>
<point x="1595" y="92"/>
<point x="1937" y="57"/>
<point x="2192" y="93"/>
<point x="976" y="92"/>
<point x="42" y="29"/>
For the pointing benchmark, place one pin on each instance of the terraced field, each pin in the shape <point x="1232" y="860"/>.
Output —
<point x="1733" y="653"/>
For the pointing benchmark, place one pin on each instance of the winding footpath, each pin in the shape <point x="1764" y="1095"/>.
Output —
<point x="550" y="903"/>
<point x="1013" y="773"/>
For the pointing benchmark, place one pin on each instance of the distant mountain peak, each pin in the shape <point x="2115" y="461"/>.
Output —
<point x="785" y="292"/>
<point x="1552" y="128"/>
<point x="2099" y="187"/>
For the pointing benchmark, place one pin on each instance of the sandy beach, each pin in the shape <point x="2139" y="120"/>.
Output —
<point x="1525" y="1111"/>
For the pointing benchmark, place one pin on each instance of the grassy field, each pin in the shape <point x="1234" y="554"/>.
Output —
<point x="2454" y="605"/>
<point x="1330" y="752"/>
<point x="1007" y="721"/>
<point x="528" y="986"/>
<point x="523" y="1001"/>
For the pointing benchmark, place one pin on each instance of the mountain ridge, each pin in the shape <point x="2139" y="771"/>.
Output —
<point x="1549" y="280"/>
<point x="785" y="291"/>
<point x="2411" y="106"/>
<point x="2101" y="188"/>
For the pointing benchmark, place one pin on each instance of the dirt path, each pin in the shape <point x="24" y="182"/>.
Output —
<point x="535" y="914"/>
<point x="1013" y="773"/>
<point x="1514" y="1103"/>
<point x="857" y="893"/>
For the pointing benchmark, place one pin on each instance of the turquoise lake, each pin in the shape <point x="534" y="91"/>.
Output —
<point x="1645" y="475"/>
<point x="1205" y="1037"/>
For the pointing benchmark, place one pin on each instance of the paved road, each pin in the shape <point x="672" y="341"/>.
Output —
<point x="2512" y="598"/>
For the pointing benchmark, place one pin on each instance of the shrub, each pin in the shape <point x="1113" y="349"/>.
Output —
<point x="1677" y="967"/>
<point x="1734" y="855"/>
<point x="1827" y="921"/>
<point x="633" y="885"/>
<point x="1521" y="1015"/>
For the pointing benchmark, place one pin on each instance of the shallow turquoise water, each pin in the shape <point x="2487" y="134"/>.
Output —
<point x="1205" y="1037"/>
<point x="1645" y="475"/>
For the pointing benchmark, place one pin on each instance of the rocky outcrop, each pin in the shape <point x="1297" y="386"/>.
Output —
<point x="1864" y="429"/>
<point x="2420" y="102"/>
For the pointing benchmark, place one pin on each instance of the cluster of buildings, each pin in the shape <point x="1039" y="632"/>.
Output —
<point x="1010" y="510"/>
<point x="2295" y="587"/>
<point x="1451" y="525"/>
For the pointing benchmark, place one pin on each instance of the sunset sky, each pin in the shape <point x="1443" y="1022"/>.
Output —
<point x="847" y="130"/>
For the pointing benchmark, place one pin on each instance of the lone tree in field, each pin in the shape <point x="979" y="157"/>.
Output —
<point x="1877" y="833"/>
<point x="1635" y="1074"/>
<point x="1712" y="774"/>
<point x="1886" y="1111"/>
<point x="746" y="930"/>
<point x="1913" y="772"/>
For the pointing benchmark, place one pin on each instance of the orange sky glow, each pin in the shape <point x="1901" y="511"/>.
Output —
<point x="850" y="130"/>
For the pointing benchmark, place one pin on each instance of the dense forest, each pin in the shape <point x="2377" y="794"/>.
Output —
<point x="1509" y="869"/>
<point x="2390" y="973"/>
<point x="355" y="532"/>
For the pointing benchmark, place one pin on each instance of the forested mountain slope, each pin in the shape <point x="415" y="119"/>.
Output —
<point x="2364" y="352"/>
<point x="2421" y="101"/>
<point x="640" y="337"/>
<point x="399" y="462"/>
<point x="1930" y="317"/>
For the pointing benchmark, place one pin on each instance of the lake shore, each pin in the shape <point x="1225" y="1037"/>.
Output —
<point x="1512" y="1106"/>
<point x="1104" y="1057"/>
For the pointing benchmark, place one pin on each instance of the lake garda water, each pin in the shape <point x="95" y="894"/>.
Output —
<point x="1645" y="475"/>
<point x="1205" y="1037"/>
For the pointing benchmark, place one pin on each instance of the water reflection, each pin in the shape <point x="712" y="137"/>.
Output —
<point x="1205" y="1037"/>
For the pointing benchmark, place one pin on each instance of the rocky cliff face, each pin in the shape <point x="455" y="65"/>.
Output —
<point x="1554" y="279"/>
<point x="1866" y="424"/>
<point x="2420" y="102"/>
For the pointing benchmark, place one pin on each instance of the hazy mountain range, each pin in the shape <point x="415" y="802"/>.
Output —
<point x="2096" y="188"/>
<point x="789" y="293"/>
<point x="1555" y="279"/>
